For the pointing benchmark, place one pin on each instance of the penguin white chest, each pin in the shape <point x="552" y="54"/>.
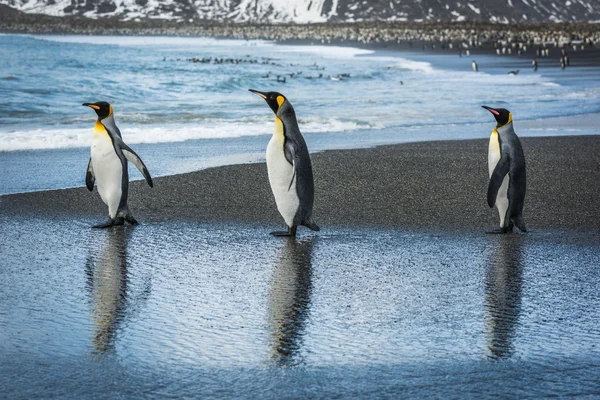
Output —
<point x="108" y="170"/>
<point x="281" y="173"/>
<point x="494" y="156"/>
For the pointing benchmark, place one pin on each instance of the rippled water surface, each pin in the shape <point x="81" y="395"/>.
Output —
<point x="210" y="310"/>
<point x="160" y="96"/>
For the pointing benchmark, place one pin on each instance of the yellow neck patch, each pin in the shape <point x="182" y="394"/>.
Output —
<point x="495" y="131"/>
<point x="280" y="100"/>
<point x="99" y="129"/>
<point x="278" y="127"/>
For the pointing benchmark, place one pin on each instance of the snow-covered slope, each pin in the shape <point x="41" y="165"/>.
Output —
<point x="303" y="11"/>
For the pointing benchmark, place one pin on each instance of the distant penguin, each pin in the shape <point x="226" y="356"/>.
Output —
<point x="534" y="64"/>
<point x="515" y="72"/>
<point x="108" y="166"/>
<point x="474" y="64"/>
<point x="506" y="164"/>
<point x="289" y="167"/>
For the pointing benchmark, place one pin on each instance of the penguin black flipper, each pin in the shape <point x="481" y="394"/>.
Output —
<point x="289" y="151"/>
<point x="89" y="177"/>
<point x="133" y="158"/>
<point x="291" y="155"/>
<point x="502" y="168"/>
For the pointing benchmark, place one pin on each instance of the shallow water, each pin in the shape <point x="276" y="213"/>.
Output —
<point x="170" y="309"/>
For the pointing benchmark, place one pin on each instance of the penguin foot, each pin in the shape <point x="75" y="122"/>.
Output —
<point x="104" y="225"/>
<point x="111" y="222"/>
<point x="119" y="221"/>
<point x="281" y="233"/>
<point x="291" y="232"/>
<point x="500" y="231"/>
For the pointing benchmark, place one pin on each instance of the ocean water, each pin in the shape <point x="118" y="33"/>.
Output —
<point x="181" y="309"/>
<point x="182" y="116"/>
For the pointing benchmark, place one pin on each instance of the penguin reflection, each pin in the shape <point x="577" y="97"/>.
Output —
<point x="107" y="280"/>
<point x="289" y="301"/>
<point x="503" y="286"/>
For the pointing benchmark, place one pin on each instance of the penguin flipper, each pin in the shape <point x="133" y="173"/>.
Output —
<point x="289" y="150"/>
<point x="496" y="179"/>
<point x="90" y="178"/>
<point x="133" y="158"/>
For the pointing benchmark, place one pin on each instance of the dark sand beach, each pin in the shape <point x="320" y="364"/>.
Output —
<point x="430" y="185"/>
<point x="400" y="295"/>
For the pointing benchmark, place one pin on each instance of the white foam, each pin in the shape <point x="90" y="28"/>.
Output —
<point x="325" y="51"/>
<point x="150" y="40"/>
<point x="81" y="137"/>
<point x="403" y="63"/>
<point x="422" y="66"/>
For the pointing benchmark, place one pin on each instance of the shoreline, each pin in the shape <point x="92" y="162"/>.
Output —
<point x="383" y="187"/>
<point x="551" y="127"/>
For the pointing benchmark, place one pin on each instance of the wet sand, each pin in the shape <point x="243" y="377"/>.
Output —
<point x="432" y="185"/>
<point x="400" y="295"/>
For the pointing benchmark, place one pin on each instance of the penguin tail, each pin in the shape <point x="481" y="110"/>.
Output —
<point x="312" y="226"/>
<point x="520" y="223"/>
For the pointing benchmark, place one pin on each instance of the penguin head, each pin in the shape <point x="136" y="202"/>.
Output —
<point x="274" y="100"/>
<point x="102" y="108"/>
<point x="502" y="115"/>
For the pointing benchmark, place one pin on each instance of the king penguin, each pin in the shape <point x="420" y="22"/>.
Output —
<point x="289" y="167"/>
<point x="108" y="166"/>
<point x="506" y="164"/>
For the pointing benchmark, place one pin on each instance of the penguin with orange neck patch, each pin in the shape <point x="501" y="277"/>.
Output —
<point x="289" y="167"/>
<point x="108" y="166"/>
<point x="506" y="164"/>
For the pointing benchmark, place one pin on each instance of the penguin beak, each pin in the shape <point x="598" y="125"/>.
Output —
<point x="490" y="109"/>
<point x="261" y="94"/>
<point x="91" y="105"/>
